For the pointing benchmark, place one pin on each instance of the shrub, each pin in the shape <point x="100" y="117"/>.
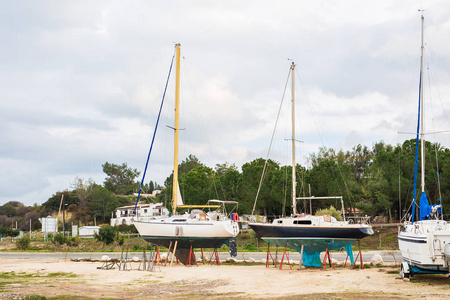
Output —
<point x="127" y="228"/>
<point x="23" y="242"/>
<point x="75" y="241"/>
<point x="120" y="240"/>
<point x="330" y="211"/>
<point x="106" y="234"/>
<point x="59" y="238"/>
<point x="250" y="247"/>
<point x="7" y="231"/>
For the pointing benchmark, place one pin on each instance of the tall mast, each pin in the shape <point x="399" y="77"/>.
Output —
<point x="419" y="137"/>
<point x="294" y="183"/>
<point x="176" y="129"/>
<point x="422" y="136"/>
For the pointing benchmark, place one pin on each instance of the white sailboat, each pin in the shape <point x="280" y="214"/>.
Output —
<point x="310" y="234"/>
<point x="424" y="241"/>
<point x="194" y="229"/>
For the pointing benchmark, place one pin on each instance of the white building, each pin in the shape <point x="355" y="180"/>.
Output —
<point x="125" y="214"/>
<point x="88" y="231"/>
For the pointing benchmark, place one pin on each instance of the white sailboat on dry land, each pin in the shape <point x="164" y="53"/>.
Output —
<point x="424" y="242"/>
<point x="309" y="234"/>
<point x="194" y="229"/>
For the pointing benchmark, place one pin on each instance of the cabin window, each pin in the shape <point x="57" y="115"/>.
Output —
<point x="280" y="221"/>
<point x="303" y="222"/>
<point x="179" y="220"/>
<point x="145" y="211"/>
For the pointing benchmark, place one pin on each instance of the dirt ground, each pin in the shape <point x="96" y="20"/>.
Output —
<point x="57" y="278"/>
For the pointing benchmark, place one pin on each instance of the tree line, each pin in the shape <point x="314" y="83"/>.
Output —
<point x="376" y="180"/>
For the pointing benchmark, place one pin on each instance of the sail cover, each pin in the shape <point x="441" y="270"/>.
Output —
<point x="426" y="210"/>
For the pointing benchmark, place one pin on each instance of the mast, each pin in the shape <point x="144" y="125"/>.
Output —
<point x="294" y="179"/>
<point x="176" y="129"/>
<point x="419" y="136"/>
<point x="422" y="136"/>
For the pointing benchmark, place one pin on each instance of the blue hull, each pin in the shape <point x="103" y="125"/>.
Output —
<point x="299" y="232"/>
<point x="313" y="238"/>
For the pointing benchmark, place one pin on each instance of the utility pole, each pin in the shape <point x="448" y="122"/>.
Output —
<point x="64" y="218"/>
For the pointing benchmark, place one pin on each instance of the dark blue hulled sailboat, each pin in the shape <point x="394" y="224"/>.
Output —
<point x="312" y="233"/>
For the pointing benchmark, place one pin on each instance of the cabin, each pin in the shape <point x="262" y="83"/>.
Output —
<point x="125" y="215"/>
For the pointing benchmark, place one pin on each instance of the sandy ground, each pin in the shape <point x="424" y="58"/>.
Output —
<point x="53" y="277"/>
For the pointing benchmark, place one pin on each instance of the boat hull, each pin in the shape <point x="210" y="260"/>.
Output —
<point x="422" y="245"/>
<point x="201" y="234"/>
<point x="311" y="232"/>
<point x="313" y="238"/>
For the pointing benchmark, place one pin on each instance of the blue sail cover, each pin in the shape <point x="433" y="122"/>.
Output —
<point x="426" y="210"/>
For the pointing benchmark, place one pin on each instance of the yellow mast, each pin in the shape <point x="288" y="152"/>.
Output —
<point x="176" y="128"/>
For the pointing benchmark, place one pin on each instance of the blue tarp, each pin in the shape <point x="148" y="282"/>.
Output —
<point x="313" y="248"/>
<point x="311" y="255"/>
<point x="426" y="210"/>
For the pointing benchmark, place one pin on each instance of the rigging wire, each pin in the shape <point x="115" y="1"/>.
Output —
<point x="438" y="184"/>
<point x="154" y="134"/>
<point x="270" y="145"/>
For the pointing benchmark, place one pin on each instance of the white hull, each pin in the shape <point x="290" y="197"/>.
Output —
<point x="425" y="245"/>
<point x="166" y="227"/>
<point x="196" y="230"/>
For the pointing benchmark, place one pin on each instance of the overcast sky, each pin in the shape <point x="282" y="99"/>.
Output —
<point x="81" y="82"/>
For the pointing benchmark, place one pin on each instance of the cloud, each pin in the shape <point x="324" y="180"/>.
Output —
<point x="81" y="82"/>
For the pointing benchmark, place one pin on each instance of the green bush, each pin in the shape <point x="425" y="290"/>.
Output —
<point x="250" y="247"/>
<point x="75" y="241"/>
<point x="8" y="231"/>
<point x="23" y="242"/>
<point x="330" y="211"/>
<point x="106" y="234"/>
<point x="127" y="228"/>
<point x="59" y="238"/>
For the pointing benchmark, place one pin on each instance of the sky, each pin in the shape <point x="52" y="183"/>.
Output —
<point x="81" y="83"/>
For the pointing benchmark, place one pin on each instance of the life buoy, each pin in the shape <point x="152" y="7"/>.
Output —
<point x="234" y="217"/>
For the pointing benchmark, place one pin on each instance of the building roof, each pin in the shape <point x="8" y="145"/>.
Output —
<point x="90" y="227"/>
